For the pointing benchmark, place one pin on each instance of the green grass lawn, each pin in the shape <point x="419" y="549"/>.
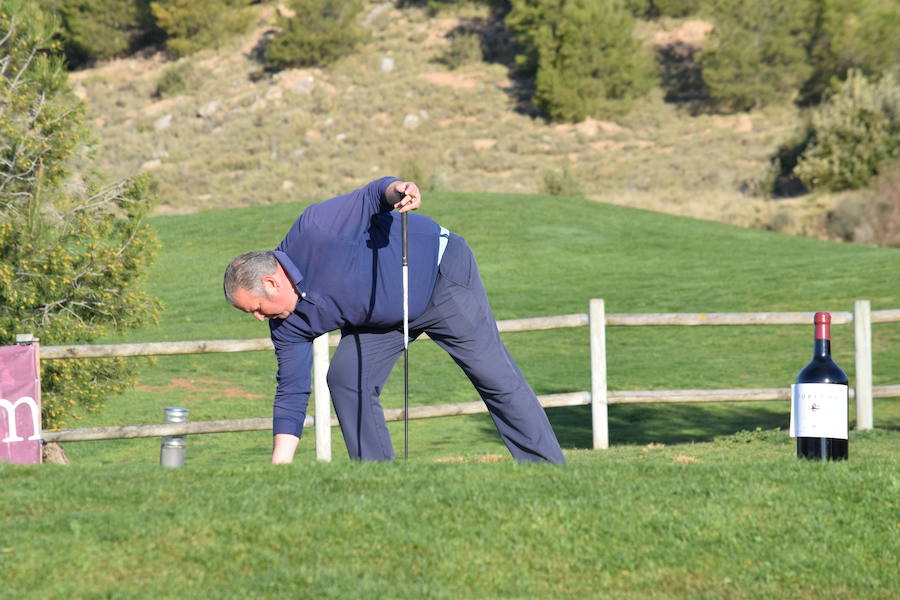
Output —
<point x="734" y="515"/>
<point x="538" y="256"/>
<point x="739" y="517"/>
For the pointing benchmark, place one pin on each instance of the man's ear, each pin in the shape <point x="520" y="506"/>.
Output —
<point x="269" y="283"/>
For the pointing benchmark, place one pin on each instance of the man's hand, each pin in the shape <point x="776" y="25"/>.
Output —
<point x="404" y="195"/>
<point x="284" y="446"/>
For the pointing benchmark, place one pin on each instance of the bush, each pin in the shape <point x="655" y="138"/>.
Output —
<point x="435" y="7"/>
<point x="465" y="48"/>
<point x="847" y="221"/>
<point x="586" y="59"/>
<point x="663" y="8"/>
<point x="72" y="252"/>
<point x="321" y="32"/>
<point x="416" y="171"/>
<point x="192" y="25"/>
<point x="757" y="52"/>
<point x="177" y="78"/>
<point x="562" y="182"/>
<point x="853" y="34"/>
<point x="101" y="29"/>
<point x="852" y="134"/>
<point x="874" y="217"/>
<point x="883" y="210"/>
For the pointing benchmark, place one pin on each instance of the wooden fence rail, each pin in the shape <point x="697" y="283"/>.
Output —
<point x="599" y="397"/>
<point x="435" y="410"/>
<point x="507" y="326"/>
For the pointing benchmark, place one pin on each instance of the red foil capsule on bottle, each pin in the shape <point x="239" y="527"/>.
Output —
<point x="823" y="326"/>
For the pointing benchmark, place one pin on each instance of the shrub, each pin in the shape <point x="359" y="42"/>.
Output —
<point x="465" y="48"/>
<point x="586" y="59"/>
<point x="852" y="134"/>
<point x="434" y="7"/>
<point x="757" y="52"/>
<point x="192" y="25"/>
<point x="72" y="252"/>
<point x="177" y="78"/>
<point x="853" y="34"/>
<point x="883" y="210"/>
<point x="423" y="176"/>
<point x="321" y="32"/>
<point x="873" y="217"/>
<point x="846" y="221"/>
<point x="101" y="29"/>
<point x="676" y="8"/>
<point x="663" y="8"/>
<point x="562" y="182"/>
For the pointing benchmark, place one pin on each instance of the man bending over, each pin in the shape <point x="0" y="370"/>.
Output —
<point x="339" y="267"/>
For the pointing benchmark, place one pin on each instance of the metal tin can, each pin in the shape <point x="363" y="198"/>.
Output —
<point x="172" y="450"/>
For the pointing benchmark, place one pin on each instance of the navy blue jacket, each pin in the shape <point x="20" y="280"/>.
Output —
<point x="344" y="258"/>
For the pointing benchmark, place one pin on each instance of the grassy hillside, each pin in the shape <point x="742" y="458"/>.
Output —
<point x="737" y="518"/>
<point x="538" y="256"/>
<point x="235" y="135"/>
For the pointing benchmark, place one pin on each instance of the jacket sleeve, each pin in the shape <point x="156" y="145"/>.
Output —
<point x="294" y="354"/>
<point x="351" y="214"/>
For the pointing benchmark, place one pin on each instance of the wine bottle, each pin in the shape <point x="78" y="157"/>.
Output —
<point x="819" y="401"/>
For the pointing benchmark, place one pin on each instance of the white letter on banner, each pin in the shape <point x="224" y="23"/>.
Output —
<point x="11" y="417"/>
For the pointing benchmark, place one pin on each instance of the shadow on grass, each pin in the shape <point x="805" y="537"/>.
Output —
<point x="665" y="423"/>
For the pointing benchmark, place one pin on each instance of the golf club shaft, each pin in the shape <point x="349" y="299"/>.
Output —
<point x="404" y="228"/>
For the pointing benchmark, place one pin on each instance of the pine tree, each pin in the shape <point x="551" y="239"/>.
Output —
<point x="585" y="56"/>
<point x="321" y="32"/>
<point x="73" y="249"/>
<point x="758" y="52"/>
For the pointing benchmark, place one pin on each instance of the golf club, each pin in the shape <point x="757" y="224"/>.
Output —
<point x="403" y="227"/>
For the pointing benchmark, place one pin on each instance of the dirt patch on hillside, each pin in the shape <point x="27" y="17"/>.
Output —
<point x="159" y="107"/>
<point x="122" y="69"/>
<point x="608" y="145"/>
<point x="435" y="31"/>
<point x="589" y="127"/>
<point x="453" y="80"/>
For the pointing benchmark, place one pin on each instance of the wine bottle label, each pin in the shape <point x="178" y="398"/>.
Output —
<point x="819" y="410"/>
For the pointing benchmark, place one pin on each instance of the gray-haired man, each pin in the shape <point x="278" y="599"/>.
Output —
<point x="338" y="267"/>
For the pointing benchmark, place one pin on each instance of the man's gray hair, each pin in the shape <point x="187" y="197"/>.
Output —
<point x="246" y="271"/>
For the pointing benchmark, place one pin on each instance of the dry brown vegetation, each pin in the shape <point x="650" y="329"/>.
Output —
<point x="238" y="135"/>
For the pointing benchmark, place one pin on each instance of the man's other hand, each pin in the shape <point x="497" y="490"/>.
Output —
<point x="283" y="447"/>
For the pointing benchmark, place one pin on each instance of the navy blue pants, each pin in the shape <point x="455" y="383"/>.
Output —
<point x="459" y="320"/>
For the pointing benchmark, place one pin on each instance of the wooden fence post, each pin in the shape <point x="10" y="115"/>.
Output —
<point x="322" y="397"/>
<point x="599" y="400"/>
<point x="862" y="325"/>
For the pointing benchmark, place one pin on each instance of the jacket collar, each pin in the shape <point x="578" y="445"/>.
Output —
<point x="290" y="269"/>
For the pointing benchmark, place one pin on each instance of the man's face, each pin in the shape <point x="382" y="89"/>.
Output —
<point x="277" y="301"/>
<point x="262" y="307"/>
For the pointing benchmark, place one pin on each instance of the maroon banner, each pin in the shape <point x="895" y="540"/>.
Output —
<point x="20" y="404"/>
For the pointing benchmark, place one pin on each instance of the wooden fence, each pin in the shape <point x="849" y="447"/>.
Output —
<point x="599" y="397"/>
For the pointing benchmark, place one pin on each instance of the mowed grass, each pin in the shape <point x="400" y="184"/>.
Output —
<point x="736" y="518"/>
<point x="656" y="516"/>
<point x="538" y="256"/>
